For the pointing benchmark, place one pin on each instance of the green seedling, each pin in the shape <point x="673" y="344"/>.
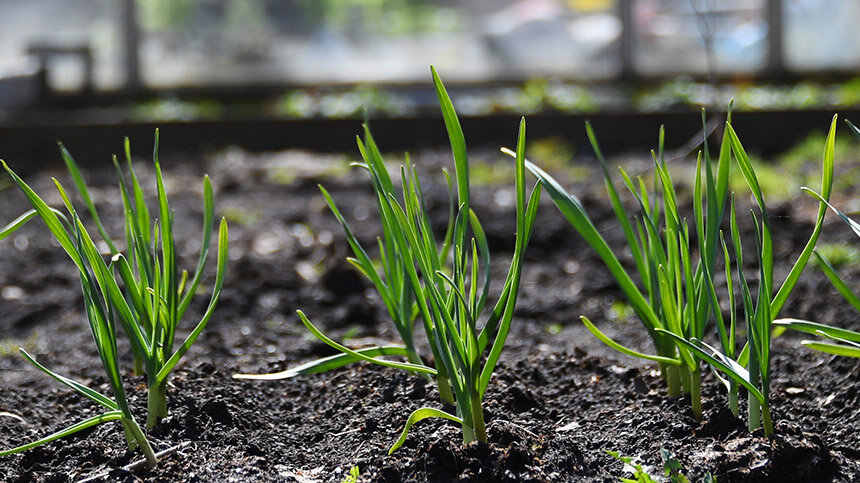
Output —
<point x="143" y="288"/>
<point x="452" y="300"/>
<point x="677" y="300"/>
<point x="674" y="294"/>
<point x="101" y="316"/>
<point x="672" y="470"/>
<point x="751" y="367"/>
<point x="449" y="293"/>
<point x="353" y="475"/>
<point x="641" y="473"/>
<point x="447" y="284"/>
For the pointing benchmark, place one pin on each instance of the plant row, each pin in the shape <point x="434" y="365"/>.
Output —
<point x="442" y="286"/>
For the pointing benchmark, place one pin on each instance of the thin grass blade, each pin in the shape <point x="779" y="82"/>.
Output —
<point x="827" y="169"/>
<point x="74" y="385"/>
<point x="854" y="128"/>
<point x="208" y="224"/>
<point x="363" y="260"/>
<point x="81" y="186"/>
<point x="17" y="223"/>
<point x="574" y="212"/>
<point x="96" y="420"/>
<point x="622" y="349"/>
<point x="327" y="363"/>
<point x="816" y="328"/>
<point x="617" y="206"/>
<point x="836" y="280"/>
<point x="855" y="227"/>
<point x="49" y="217"/>
<point x="831" y="348"/>
<point x="358" y="355"/>
<point x="418" y="415"/>
<point x="456" y="138"/>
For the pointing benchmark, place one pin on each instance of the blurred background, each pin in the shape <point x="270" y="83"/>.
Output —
<point x="138" y="61"/>
<point x="236" y="42"/>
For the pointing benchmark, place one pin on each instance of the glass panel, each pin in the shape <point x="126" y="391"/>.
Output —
<point x="822" y="34"/>
<point x="238" y="41"/>
<point x="669" y="36"/>
<point x="212" y="42"/>
<point x="58" y="25"/>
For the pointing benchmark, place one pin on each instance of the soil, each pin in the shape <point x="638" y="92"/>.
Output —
<point x="558" y="401"/>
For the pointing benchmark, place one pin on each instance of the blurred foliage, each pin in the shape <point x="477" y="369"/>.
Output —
<point x="552" y="153"/>
<point x="245" y="18"/>
<point x="242" y="216"/>
<point x="158" y="15"/>
<point x="490" y="173"/>
<point x="839" y="254"/>
<point x="9" y="346"/>
<point x="167" y="109"/>
<point x="811" y="148"/>
<point x="620" y="311"/>
<point x="209" y="26"/>
<point x="685" y="93"/>
<point x="558" y="155"/>
<point x="533" y="96"/>
<point x="305" y="103"/>
<point x="798" y="96"/>
<point x="848" y="93"/>
<point x="676" y="92"/>
<point x="803" y="157"/>
<point x="387" y="17"/>
<point x="776" y="184"/>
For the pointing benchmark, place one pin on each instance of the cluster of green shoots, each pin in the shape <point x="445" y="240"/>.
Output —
<point x="677" y="297"/>
<point x="141" y="288"/>
<point x="443" y="286"/>
<point x="674" y="293"/>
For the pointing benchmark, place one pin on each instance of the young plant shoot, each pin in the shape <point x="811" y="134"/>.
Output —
<point x="751" y="368"/>
<point x="143" y="288"/>
<point x="451" y="301"/>
<point x="445" y="287"/>
<point x="101" y="316"/>
<point x="674" y="295"/>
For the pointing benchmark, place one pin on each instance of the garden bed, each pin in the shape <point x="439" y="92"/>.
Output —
<point x="557" y="402"/>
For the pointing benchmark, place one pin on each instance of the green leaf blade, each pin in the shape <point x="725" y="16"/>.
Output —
<point x="418" y="415"/>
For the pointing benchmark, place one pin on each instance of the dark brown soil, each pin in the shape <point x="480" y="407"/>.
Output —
<point x="558" y="401"/>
